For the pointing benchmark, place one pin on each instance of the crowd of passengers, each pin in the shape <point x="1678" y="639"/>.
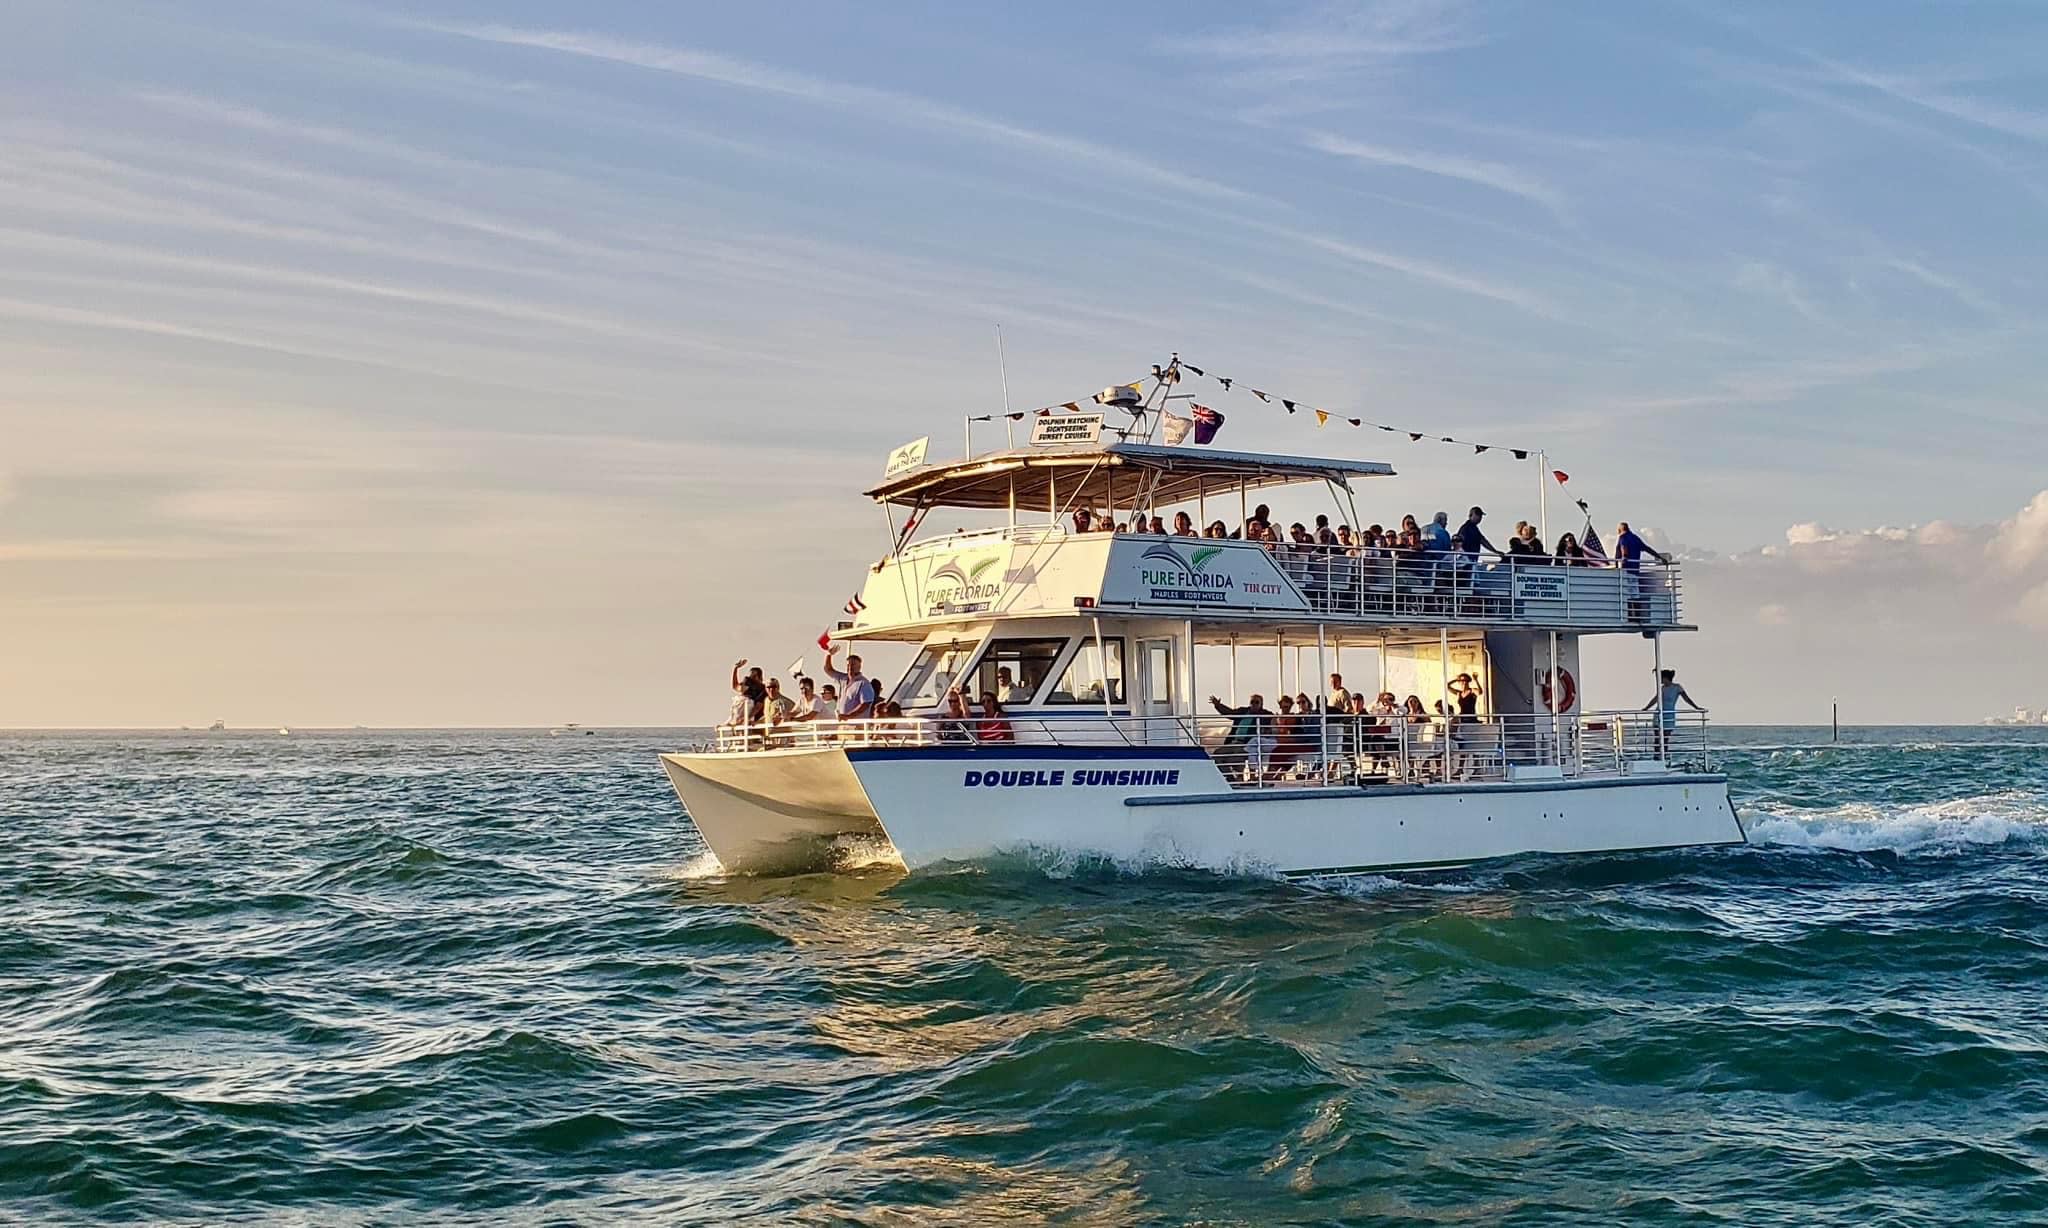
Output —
<point x="759" y="703"/>
<point x="1411" y="540"/>
<point x="1365" y="737"/>
<point x="1259" y="745"/>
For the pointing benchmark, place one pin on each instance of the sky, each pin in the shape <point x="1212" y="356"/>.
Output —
<point x="516" y="363"/>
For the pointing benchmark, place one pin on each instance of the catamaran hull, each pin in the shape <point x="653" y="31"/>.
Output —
<point x="791" y="811"/>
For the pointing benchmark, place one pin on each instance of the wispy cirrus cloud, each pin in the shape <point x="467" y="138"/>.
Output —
<point x="1331" y="40"/>
<point x="1496" y="176"/>
<point x="888" y="105"/>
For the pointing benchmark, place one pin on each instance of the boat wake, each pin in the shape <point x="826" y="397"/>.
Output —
<point x="1943" y="828"/>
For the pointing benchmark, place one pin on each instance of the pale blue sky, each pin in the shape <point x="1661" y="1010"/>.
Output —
<point x="353" y="352"/>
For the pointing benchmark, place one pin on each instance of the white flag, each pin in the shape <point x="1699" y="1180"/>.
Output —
<point x="1176" y="427"/>
<point x="796" y="668"/>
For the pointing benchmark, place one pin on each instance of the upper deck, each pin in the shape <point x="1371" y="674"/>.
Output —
<point x="1028" y="570"/>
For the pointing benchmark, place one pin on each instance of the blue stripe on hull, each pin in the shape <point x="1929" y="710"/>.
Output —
<point x="865" y="754"/>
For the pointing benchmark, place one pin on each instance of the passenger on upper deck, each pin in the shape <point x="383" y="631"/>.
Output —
<point x="1570" y="553"/>
<point x="1436" y="539"/>
<point x="1525" y="545"/>
<point x="1471" y="539"/>
<point x="1183" y="525"/>
<point x="1630" y="549"/>
<point x="1324" y="537"/>
<point x="1156" y="525"/>
<point x="1216" y="531"/>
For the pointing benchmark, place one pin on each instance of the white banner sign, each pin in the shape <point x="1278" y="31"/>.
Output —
<point x="907" y="457"/>
<point x="1066" y="429"/>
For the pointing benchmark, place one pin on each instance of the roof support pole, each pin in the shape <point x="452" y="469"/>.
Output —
<point x="1443" y="656"/>
<point x="1102" y="667"/>
<point x="1323" y="707"/>
<point x="1233" y="669"/>
<point x="1556" y="718"/>
<point x="1188" y="696"/>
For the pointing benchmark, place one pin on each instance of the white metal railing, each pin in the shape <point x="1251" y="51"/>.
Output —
<point x="1372" y="582"/>
<point x="1293" y="750"/>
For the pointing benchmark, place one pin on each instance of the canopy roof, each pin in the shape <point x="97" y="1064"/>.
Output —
<point x="1085" y="476"/>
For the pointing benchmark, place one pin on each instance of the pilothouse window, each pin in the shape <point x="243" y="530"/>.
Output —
<point x="924" y="684"/>
<point x="1029" y="662"/>
<point x="1082" y="683"/>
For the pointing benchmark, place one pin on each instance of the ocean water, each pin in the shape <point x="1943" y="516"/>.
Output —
<point x="490" y="977"/>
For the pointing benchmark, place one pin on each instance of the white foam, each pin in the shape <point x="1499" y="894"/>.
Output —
<point x="703" y="865"/>
<point x="1936" y="829"/>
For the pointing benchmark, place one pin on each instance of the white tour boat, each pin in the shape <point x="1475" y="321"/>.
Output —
<point x="1114" y="747"/>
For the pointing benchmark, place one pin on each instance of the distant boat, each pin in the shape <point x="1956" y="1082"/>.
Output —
<point x="217" y="727"/>
<point x="283" y="732"/>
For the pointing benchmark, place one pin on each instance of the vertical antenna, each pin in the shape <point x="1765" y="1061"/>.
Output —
<point x="1003" y="368"/>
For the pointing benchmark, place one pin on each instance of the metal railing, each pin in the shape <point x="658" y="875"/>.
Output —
<point x="1373" y="582"/>
<point x="1288" y="750"/>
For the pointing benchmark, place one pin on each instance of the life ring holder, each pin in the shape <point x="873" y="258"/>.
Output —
<point x="1569" y="689"/>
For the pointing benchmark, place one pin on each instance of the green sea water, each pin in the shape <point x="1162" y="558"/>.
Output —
<point x="490" y="977"/>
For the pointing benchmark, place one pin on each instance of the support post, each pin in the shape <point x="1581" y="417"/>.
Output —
<point x="1556" y="718"/>
<point x="1233" y="669"/>
<point x="1322" y="706"/>
<point x="1443" y="699"/>
<point x="1102" y="667"/>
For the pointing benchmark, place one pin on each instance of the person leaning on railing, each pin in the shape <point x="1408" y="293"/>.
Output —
<point x="1249" y="744"/>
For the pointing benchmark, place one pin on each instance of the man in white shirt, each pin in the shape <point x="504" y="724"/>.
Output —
<point x="856" y="690"/>
<point x="1006" y="687"/>
<point x="1340" y="699"/>
<point x="811" y="706"/>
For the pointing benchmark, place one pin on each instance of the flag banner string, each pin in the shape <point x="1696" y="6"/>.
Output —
<point x="1324" y="416"/>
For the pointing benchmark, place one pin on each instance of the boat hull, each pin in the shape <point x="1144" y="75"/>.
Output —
<point x="787" y="811"/>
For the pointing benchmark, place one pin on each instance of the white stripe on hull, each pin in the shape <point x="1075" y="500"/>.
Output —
<point x="931" y="814"/>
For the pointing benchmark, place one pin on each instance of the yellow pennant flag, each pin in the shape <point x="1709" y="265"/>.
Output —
<point x="1322" y="418"/>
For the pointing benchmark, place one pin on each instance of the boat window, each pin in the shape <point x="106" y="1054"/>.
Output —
<point x="1029" y="662"/>
<point x="1082" y="683"/>
<point x="924" y="684"/>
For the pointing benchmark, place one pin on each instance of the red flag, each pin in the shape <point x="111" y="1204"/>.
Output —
<point x="825" y="641"/>
<point x="1561" y="476"/>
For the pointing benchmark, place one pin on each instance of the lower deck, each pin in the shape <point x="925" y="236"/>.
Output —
<point x="1320" y="750"/>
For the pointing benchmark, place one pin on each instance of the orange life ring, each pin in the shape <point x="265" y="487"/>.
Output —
<point x="1568" y="685"/>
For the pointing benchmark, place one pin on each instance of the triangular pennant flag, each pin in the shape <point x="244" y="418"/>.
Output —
<point x="1520" y="453"/>
<point x="1355" y="421"/>
<point x="1447" y="439"/>
<point x="1561" y="476"/>
<point x="1289" y="404"/>
<point x="1386" y="428"/>
<point x="1583" y="507"/>
<point x="1072" y="407"/>
<point x="1262" y="396"/>
<point x="1322" y="419"/>
<point x="1042" y="412"/>
<point x="1477" y="448"/>
<point x="1014" y="415"/>
<point x="1192" y="367"/>
<point x="1174" y="427"/>
<point x="1225" y="382"/>
<point x="982" y="418"/>
<point x="1415" y="437"/>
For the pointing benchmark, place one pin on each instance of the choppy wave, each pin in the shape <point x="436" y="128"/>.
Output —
<point x="491" y="977"/>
